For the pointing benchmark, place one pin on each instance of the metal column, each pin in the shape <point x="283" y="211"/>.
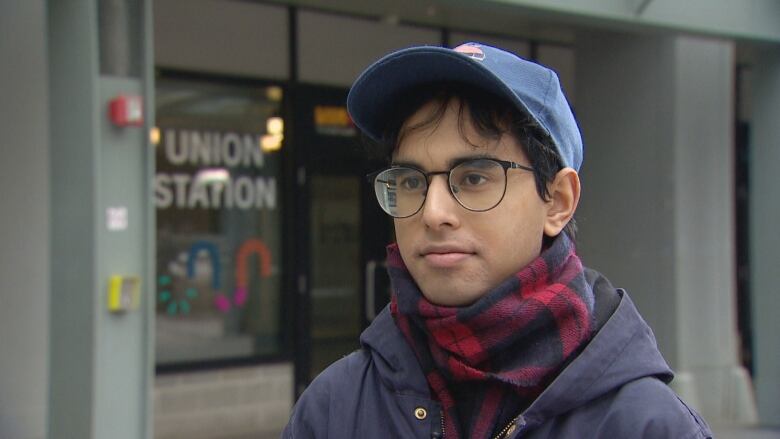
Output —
<point x="102" y="223"/>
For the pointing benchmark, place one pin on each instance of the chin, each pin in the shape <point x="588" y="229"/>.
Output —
<point x="446" y="297"/>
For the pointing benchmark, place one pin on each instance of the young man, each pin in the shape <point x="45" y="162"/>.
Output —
<point x="494" y="329"/>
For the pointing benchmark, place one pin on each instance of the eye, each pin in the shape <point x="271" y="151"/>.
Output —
<point x="477" y="175"/>
<point x="412" y="182"/>
<point x="473" y="179"/>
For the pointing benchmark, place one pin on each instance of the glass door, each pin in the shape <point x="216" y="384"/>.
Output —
<point x="345" y="233"/>
<point x="334" y="293"/>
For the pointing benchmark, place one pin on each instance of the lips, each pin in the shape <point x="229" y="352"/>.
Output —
<point x="445" y="256"/>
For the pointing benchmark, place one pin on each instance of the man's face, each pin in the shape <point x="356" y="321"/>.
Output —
<point x="456" y="255"/>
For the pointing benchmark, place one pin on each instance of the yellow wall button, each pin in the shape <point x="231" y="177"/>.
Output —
<point x="123" y="293"/>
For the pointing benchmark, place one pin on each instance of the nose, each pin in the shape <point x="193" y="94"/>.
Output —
<point x="440" y="209"/>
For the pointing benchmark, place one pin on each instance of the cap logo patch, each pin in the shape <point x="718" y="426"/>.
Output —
<point x="471" y="51"/>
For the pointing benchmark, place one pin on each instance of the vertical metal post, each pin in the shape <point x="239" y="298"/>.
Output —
<point x="100" y="362"/>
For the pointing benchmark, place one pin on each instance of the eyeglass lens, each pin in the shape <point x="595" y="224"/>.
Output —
<point x="477" y="185"/>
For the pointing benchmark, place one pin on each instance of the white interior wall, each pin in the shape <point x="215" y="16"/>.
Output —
<point x="24" y="221"/>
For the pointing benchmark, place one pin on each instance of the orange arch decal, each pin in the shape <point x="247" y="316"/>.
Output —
<point x="247" y="249"/>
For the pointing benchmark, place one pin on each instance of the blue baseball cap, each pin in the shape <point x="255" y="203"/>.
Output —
<point x="532" y="88"/>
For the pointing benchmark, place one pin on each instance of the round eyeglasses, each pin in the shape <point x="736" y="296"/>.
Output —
<point x="477" y="184"/>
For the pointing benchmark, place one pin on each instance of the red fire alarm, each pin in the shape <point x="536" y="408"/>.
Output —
<point x="126" y="110"/>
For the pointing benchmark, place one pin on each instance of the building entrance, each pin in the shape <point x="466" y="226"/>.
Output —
<point x="346" y="283"/>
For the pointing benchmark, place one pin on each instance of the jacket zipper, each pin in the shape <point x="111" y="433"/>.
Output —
<point x="505" y="430"/>
<point x="500" y="434"/>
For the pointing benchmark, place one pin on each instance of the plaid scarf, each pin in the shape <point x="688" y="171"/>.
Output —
<point x="488" y="361"/>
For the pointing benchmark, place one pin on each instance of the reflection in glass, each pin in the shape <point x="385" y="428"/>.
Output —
<point x="218" y="290"/>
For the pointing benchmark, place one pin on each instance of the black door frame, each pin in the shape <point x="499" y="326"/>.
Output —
<point x="336" y="155"/>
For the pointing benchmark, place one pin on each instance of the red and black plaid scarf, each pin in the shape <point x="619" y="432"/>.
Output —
<point x="487" y="361"/>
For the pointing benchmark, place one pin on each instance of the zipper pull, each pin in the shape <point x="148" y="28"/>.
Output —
<point x="517" y="423"/>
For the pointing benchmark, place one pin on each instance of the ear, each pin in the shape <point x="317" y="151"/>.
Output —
<point x="564" y="197"/>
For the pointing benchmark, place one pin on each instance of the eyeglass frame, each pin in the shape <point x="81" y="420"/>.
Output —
<point x="507" y="165"/>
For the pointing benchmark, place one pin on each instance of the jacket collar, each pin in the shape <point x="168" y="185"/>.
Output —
<point x="394" y="359"/>
<point x="623" y="350"/>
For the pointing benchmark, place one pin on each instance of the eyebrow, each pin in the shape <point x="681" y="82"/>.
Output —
<point x="455" y="161"/>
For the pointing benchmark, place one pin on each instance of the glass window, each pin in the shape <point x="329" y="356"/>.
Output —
<point x="219" y="217"/>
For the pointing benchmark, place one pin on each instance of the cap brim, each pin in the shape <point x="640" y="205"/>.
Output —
<point x="379" y="87"/>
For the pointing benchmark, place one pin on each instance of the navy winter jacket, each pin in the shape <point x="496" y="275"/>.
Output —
<point x="615" y="388"/>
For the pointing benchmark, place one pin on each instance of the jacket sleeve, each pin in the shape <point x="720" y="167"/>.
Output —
<point x="649" y="409"/>
<point x="310" y="415"/>
<point x="332" y="394"/>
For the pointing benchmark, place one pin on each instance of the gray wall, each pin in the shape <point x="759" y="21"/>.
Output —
<point x="237" y="38"/>
<point x="625" y="216"/>
<point x="24" y="221"/>
<point x="748" y="19"/>
<point x="657" y="212"/>
<point x="764" y="235"/>
<point x="330" y="53"/>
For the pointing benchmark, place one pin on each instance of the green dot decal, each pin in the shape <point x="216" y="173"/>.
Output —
<point x="175" y="302"/>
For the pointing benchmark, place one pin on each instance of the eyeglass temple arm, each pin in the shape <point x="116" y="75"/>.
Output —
<point x="514" y="165"/>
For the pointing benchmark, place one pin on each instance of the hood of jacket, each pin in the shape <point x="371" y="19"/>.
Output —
<point x="622" y="350"/>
